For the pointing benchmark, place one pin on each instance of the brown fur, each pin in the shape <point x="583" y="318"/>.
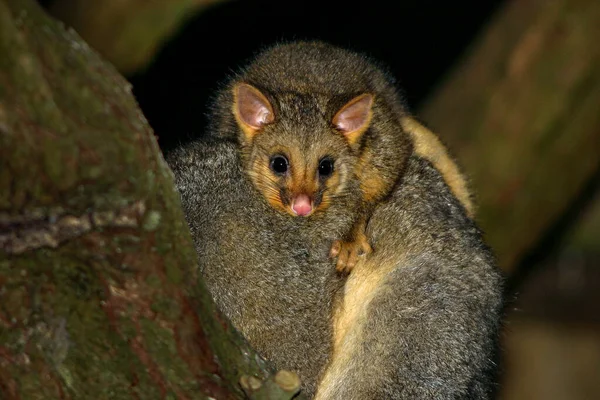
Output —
<point x="307" y="87"/>
<point x="428" y="145"/>
<point x="367" y="276"/>
<point x="386" y="345"/>
<point x="419" y="317"/>
<point x="374" y="186"/>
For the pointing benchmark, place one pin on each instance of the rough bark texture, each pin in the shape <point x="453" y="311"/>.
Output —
<point x="126" y="32"/>
<point x="99" y="293"/>
<point x="522" y="113"/>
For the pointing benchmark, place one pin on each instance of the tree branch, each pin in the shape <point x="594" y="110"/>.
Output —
<point x="98" y="274"/>
<point x="521" y="111"/>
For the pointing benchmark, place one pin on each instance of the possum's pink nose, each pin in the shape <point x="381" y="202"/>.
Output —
<point x="301" y="205"/>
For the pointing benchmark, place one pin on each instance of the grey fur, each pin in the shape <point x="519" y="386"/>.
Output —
<point x="430" y="329"/>
<point x="431" y="334"/>
<point x="267" y="271"/>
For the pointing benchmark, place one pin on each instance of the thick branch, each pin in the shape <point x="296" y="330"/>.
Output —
<point x="99" y="293"/>
<point x="522" y="112"/>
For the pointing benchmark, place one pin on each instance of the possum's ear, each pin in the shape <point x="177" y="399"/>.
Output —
<point x="251" y="108"/>
<point x="353" y="119"/>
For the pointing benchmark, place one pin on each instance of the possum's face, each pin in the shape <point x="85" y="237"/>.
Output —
<point x="300" y="159"/>
<point x="298" y="175"/>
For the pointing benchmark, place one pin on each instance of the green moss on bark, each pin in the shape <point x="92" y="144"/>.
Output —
<point x="98" y="293"/>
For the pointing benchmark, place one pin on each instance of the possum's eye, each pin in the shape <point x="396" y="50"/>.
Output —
<point x="279" y="164"/>
<point x="325" y="167"/>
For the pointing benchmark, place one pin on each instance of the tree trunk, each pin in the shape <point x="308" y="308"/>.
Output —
<point x="522" y="112"/>
<point x="99" y="292"/>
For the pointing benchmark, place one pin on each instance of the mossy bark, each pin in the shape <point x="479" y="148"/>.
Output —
<point x="522" y="112"/>
<point x="100" y="296"/>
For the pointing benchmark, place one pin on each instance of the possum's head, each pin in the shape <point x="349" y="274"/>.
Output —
<point x="300" y="149"/>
